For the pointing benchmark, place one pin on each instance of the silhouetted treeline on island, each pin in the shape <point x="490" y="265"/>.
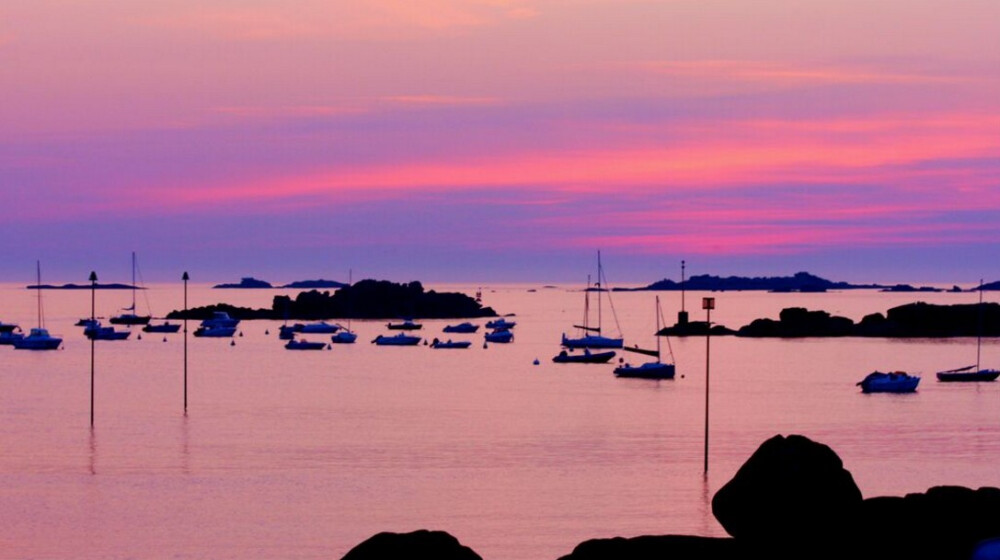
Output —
<point x="82" y="287"/>
<point x="367" y="299"/>
<point x="799" y="282"/>
<point x="910" y="320"/>
<point x="792" y="498"/>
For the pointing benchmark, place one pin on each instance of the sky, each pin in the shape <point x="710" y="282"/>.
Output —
<point x="500" y="140"/>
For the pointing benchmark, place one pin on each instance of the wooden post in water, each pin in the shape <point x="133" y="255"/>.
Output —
<point x="185" y="278"/>
<point x="93" y="318"/>
<point x="708" y="304"/>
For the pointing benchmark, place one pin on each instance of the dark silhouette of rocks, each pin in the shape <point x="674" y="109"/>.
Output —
<point x="650" y="547"/>
<point x="314" y="284"/>
<point x="790" y="488"/>
<point x="799" y="322"/>
<point x="367" y="299"/>
<point x="990" y="286"/>
<point x="909" y="288"/>
<point x="695" y="328"/>
<point x="418" y="545"/>
<point x="792" y="499"/>
<point x="246" y="283"/>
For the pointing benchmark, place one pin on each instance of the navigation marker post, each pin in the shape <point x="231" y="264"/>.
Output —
<point x="708" y="304"/>
<point x="93" y="319"/>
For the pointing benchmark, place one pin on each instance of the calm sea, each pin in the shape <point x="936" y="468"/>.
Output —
<point x="305" y="454"/>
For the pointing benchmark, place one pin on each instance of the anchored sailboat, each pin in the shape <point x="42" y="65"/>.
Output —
<point x="38" y="338"/>
<point x="972" y="373"/>
<point x="597" y="339"/>
<point x="130" y="317"/>
<point x="649" y="370"/>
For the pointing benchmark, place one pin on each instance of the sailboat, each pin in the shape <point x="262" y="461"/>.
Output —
<point x="38" y="338"/>
<point x="972" y="373"/>
<point x="649" y="370"/>
<point x="130" y="317"/>
<point x="589" y="340"/>
<point x="346" y="335"/>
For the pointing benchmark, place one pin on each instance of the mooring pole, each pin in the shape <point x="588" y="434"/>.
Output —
<point x="93" y="319"/>
<point x="185" y="278"/>
<point x="708" y="304"/>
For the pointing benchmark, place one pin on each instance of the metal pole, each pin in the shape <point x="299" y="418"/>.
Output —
<point x="708" y="304"/>
<point x="682" y="286"/>
<point x="93" y="318"/>
<point x="185" y="278"/>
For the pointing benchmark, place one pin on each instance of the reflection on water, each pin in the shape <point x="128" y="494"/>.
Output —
<point x="305" y="454"/>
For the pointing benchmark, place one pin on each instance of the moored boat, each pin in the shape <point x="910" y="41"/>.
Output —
<point x="96" y="331"/>
<point x="130" y="318"/>
<point x="220" y="319"/>
<point x="344" y="336"/>
<point x="596" y="340"/>
<point x="891" y="382"/>
<point x="969" y="373"/>
<point x="401" y="339"/>
<point x="406" y="325"/>
<point x="464" y="328"/>
<point x="500" y="323"/>
<point x="165" y="327"/>
<point x="501" y="336"/>
<point x="587" y="357"/>
<point x="38" y="338"/>
<point x="215" y="331"/>
<point x="450" y="344"/>
<point x="321" y="327"/>
<point x="649" y="370"/>
<point x="304" y="345"/>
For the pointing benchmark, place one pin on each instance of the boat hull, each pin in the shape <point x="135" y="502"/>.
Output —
<point x="464" y="328"/>
<point x="501" y="337"/>
<point x="897" y="382"/>
<point x="981" y="375"/>
<point x="591" y="341"/>
<point x="450" y="344"/>
<point x="38" y="339"/>
<point x="215" y="332"/>
<point x="344" y="337"/>
<point x="129" y="320"/>
<point x="304" y="345"/>
<point x="651" y="370"/>
<point x="585" y="358"/>
<point x="398" y="340"/>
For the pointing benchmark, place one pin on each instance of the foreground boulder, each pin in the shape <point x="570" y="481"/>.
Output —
<point x="673" y="547"/>
<point x="790" y="489"/>
<point x="418" y="545"/>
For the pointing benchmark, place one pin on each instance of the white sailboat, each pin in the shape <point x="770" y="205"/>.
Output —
<point x="38" y="338"/>
<point x="649" y="370"/>
<point x="130" y="317"/>
<point x="345" y="335"/>
<point x="597" y="339"/>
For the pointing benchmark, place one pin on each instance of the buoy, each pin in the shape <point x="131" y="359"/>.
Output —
<point x="164" y="339"/>
<point x="329" y="347"/>
<point x="536" y="362"/>
<point x="138" y="337"/>
<point x="232" y="343"/>
<point x="266" y="332"/>
<point x="485" y="346"/>
<point x="241" y="334"/>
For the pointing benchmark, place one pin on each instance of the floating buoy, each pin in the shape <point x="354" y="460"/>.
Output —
<point x="329" y="347"/>
<point x="241" y="334"/>
<point x="164" y="339"/>
<point x="232" y="343"/>
<point x="138" y="337"/>
<point x="536" y="362"/>
<point x="266" y="332"/>
<point x="485" y="346"/>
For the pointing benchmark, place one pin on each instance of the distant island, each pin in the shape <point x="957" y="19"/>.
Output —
<point x="799" y="282"/>
<point x="250" y="283"/>
<point x="83" y="287"/>
<point x="913" y="320"/>
<point x="367" y="299"/>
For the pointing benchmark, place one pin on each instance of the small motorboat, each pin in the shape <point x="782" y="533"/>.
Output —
<point x="892" y="382"/>
<point x="220" y="319"/>
<point x="96" y="331"/>
<point x="648" y="370"/>
<point x="406" y="325"/>
<point x="165" y="327"/>
<point x="500" y="323"/>
<point x="8" y="327"/>
<point x="401" y="339"/>
<point x="968" y="373"/>
<point x="449" y="344"/>
<point x="592" y="341"/>
<point x="129" y="319"/>
<point x="587" y="357"/>
<point x="344" y="336"/>
<point x="7" y="338"/>
<point x="465" y="328"/>
<point x="304" y="345"/>
<point x="37" y="339"/>
<point x="215" y="331"/>
<point x="501" y="336"/>
<point x="321" y="327"/>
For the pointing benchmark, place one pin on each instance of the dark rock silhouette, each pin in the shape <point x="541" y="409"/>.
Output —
<point x="798" y="322"/>
<point x="799" y="282"/>
<point x="695" y="328"/>
<point x="418" y="545"/>
<point x="791" y="488"/>
<point x="246" y="283"/>
<point x="314" y="284"/>
<point x="656" y="548"/>
<point x="82" y="287"/>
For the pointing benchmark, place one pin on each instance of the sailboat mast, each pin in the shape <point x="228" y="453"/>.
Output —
<point x="133" y="284"/>
<point x="979" y="331"/>
<point x="586" y="307"/>
<point x="350" y="284"/>
<point x="657" y="335"/>
<point x="600" y="278"/>
<point x="38" y="291"/>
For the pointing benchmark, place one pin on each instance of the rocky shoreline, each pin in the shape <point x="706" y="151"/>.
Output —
<point x="792" y="498"/>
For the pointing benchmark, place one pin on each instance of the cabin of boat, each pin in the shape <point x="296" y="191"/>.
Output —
<point x="406" y="325"/>
<point x="462" y="328"/>
<point x="220" y="319"/>
<point x="449" y="344"/>
<point x="648" y="370"/>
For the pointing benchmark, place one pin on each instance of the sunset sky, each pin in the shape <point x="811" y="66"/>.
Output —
<point x="500" y="140"/>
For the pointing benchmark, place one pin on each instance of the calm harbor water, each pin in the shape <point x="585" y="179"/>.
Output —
<point x="305" y="454"/>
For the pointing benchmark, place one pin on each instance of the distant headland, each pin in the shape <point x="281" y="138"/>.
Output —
<point x="798" y="282"/>
<point x="251" y="283"/>
<point x="367" y="299"/>
<point x="82" y="287"/>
